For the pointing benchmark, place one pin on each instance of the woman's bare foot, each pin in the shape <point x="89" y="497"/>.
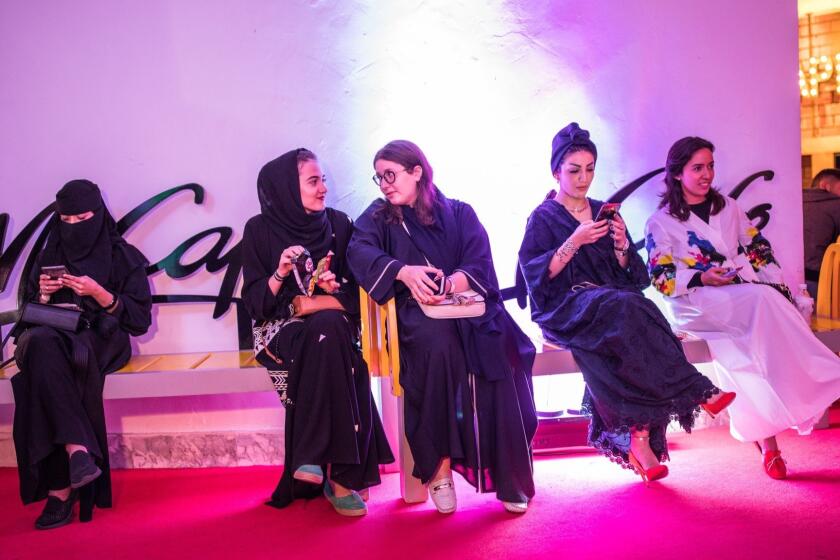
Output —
<point x="640" y="447"/>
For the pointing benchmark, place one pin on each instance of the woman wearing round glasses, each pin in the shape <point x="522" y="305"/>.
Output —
<point x="467" y="381"/>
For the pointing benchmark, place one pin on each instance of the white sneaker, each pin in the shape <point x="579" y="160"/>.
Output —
<point x="516" y="507"/>
<point x="443" y="495"/>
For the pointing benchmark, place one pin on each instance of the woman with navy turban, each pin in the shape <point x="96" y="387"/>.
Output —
<point x="585" y="284"/>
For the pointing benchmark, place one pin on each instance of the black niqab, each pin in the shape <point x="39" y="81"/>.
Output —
<point x="278" y="188"/>
<point x="85" y="247"/>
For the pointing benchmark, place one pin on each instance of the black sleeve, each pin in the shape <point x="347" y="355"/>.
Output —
<point x="696" y="281"/>
<point x="134" y="310"/>
<point x="261" y="304"/>
<point x="374" y="269"/>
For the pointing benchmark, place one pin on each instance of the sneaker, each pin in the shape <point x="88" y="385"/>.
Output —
<point x="309" y="473"/>
<point x="443" y="495"/>
<point x="56" y="512"/>
<point x="351" y="506"/>
<point x="516" y="507"/>
<point x="82" y="469"/>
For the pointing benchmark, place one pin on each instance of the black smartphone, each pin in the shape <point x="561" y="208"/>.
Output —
<point x="608" y="211"/>
<point x="442" y="287"/>
<point x="54" y="272"/>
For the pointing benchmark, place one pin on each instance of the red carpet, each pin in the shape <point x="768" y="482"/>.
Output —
<point x="716" y="504"/>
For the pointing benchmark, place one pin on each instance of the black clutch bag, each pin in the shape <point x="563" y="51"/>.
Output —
<point x="52" y="316"/>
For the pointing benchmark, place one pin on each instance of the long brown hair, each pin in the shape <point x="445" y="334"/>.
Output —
<point x="678" y="157"/>
<point x="409" y="155"/>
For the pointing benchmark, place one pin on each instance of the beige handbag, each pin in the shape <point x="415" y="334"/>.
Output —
<point x="460" y="305"/>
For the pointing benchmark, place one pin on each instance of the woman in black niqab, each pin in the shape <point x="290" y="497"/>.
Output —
<point x="334" y="440"/>
<point x="59" y="423"/>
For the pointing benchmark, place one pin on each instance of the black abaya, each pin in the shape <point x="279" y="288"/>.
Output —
<point x="331" y="417"/>
<point x="58" y="391"/>
<point x="437" y="356"/>
<point x="635" y="370"/>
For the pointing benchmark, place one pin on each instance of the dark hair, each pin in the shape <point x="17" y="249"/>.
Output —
<point x="825" y="174"/>
<point x="409" y="155"/>
<point x="678" y="157"/>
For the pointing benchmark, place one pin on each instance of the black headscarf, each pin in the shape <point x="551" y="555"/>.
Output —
<point x="87" y="247"/>
<point x="571" y="135"/>
<point x="278" y="188"/>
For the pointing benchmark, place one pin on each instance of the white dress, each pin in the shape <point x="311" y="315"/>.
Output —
<point x="763" y="349"/>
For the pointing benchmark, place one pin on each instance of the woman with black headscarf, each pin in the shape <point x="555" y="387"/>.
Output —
<point x="585" y="282"/>
<point x="306" y="335"/>
<point x="59" y="423"/>
<point x="469" y="404"/>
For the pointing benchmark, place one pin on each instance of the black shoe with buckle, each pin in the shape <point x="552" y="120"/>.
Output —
<point x="82" y="469"/>
<point x="57" y="512"/>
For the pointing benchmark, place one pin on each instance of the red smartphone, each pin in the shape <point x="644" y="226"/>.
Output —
<point x="608" y="211"/>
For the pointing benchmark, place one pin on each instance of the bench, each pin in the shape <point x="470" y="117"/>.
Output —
<point x="381" y="352"/>
<point x="175" y="375"/>
<point x="209" y="373"/>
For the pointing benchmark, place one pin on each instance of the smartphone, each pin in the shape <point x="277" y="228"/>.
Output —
<point x="731" y="273"/>
<point x="54" y="272"/>
<point x="607" y="211"/>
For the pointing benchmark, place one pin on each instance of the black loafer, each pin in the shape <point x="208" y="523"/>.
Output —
<point x="56" y="512"/>
<point x="82" y="469"/>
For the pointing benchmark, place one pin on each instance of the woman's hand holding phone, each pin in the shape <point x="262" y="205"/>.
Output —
<point x="417" y="279"/>
<point x="718" y="276"/>
<point x="48" y="285"/>
<point x="589" y="232"/>
<point x="618" y="231"/>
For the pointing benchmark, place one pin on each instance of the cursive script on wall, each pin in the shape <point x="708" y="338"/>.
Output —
<point x="218" y="257"/>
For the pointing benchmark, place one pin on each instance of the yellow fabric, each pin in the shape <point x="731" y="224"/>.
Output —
<point x="380" y="342"/>
<point x="828" y="290"/>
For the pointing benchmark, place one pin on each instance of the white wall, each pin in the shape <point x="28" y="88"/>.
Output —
<point x="143" y="96"/>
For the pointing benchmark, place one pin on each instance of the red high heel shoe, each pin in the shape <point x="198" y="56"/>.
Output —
<point x="713" y="409"/>
<point x="774" y="465"/>
<point x="656" y="472"/>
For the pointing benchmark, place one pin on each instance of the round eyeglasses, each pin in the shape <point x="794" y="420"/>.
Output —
<point x="389" y="177"/>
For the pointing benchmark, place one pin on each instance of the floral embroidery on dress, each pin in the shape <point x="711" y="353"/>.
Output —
<point x="706" y="258"/>
<point x="662" y="268"/>
<point x="759" y="251"/>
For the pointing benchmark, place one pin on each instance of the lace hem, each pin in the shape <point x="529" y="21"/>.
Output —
<point x="614" y="443"/>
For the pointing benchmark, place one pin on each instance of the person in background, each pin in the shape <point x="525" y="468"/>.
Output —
<point x="821" y="222"/>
